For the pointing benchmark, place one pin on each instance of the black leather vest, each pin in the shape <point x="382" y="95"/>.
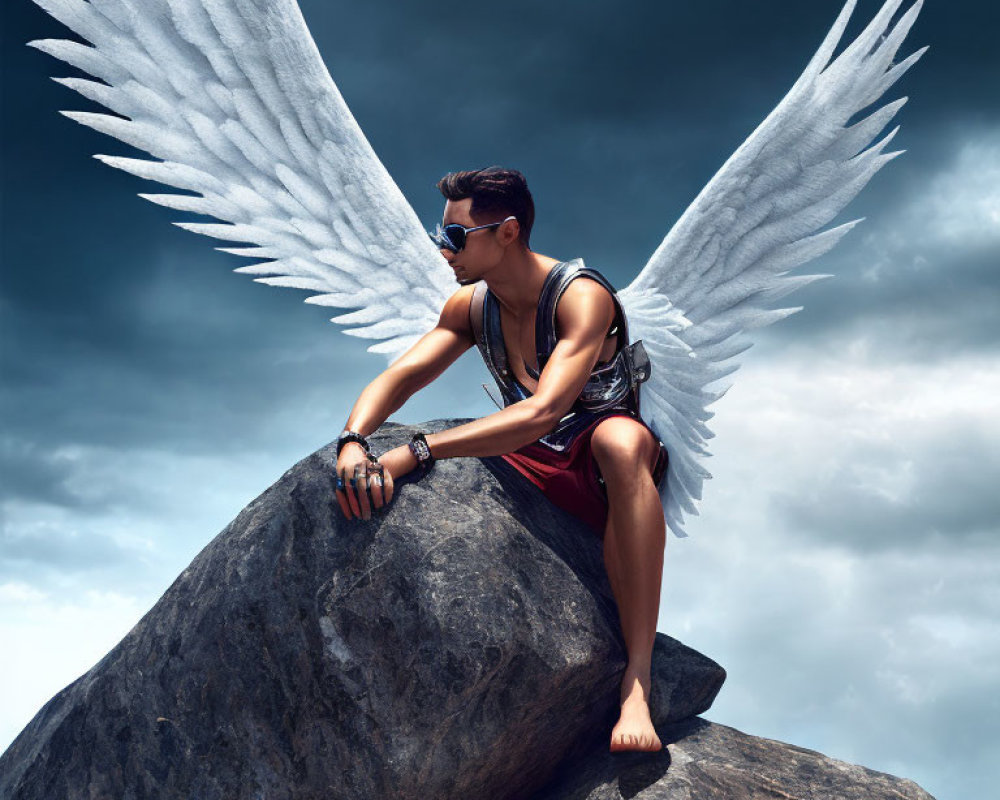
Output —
<point x="613" y="385"/>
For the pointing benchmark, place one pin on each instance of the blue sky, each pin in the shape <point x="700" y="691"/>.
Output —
<point x="845" y="565"/>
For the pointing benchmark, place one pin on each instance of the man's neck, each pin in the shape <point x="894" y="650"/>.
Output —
<point x="517" y="281"/>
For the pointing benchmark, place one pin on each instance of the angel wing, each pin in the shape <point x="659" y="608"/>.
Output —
<point x="233" y="99"/>
<point x="725" y="262"/>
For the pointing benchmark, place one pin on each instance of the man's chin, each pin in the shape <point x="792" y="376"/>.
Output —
<point x="466" y="281"/>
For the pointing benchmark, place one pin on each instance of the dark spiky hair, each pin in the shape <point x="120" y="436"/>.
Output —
<point x="495" y="192"/>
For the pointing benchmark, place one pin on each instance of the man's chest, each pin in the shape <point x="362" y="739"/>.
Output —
<point x="519" y="343"/>
<point x="519" y="336"/>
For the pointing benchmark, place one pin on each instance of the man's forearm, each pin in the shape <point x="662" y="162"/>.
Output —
<point x="383" y="396"/>
<point x="501" y="432"/>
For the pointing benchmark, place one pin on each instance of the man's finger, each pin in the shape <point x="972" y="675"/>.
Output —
<point x="352" y="498"/>
<point x="375" y="480"/>
<point x="351" y="495"/>
<point x="361" y="484"/>
<point x="344" y="507"/>
<point x="387" y="489"/>
<point x="341" y="493"/>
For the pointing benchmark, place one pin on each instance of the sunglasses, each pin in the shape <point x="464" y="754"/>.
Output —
<point x="452" y="237"/>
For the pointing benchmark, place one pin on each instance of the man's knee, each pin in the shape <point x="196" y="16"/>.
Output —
<point x="622" y="446"/>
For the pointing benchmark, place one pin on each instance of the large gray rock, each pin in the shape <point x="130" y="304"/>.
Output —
<point x="463" y="643"/>
<point x="460" y="644"/>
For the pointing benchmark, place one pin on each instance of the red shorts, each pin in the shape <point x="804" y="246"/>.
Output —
<point x="571" y="479"/>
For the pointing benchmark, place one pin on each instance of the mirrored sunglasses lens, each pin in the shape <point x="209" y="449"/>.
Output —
<point x="456" y="235"/>
<point x="441" y="241"/>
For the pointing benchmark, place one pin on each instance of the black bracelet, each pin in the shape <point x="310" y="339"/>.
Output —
<point x="351" y="436"/>
<point x="422" y="452"/>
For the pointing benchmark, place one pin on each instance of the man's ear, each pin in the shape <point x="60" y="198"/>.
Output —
<point x="510" y="231"/>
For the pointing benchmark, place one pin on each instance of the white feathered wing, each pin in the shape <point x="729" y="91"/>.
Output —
<point x="718" y="272"/>
<point x="234" y="100"/>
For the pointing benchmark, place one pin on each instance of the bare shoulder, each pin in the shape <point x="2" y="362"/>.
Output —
<point x="585" y="303"/>
<point x="455" y="314"/>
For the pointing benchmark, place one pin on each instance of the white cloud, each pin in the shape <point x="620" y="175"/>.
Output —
<point x="865" y="624"/>
<point x="49" y="643"/>
<point x="14" y="593"/>
<point x="954" y="210"/>
<point x="962" y="204"/>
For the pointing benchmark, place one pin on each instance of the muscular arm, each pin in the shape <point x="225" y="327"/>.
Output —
<point x="584" y="313"/>
<point x="433" y="353"/>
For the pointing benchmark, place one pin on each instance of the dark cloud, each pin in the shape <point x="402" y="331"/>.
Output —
<point x="36" y="475"/>
<point x="67" y="552"/>
<point x="920" y="277"/>
<point x="618" y="125"/>
<point x="944" y="478"/>
<point x="618" y="114"/>
<point x="928" y="308"/>
<point x="177" y="362"/>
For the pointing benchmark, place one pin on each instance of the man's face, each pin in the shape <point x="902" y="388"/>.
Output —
<point x="483" y="250"/>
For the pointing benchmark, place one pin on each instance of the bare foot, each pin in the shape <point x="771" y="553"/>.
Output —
<point x="634" y="729"/>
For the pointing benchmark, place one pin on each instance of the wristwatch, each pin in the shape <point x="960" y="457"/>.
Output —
<point x="348" y="435"/>
<point x="422" y="452"/>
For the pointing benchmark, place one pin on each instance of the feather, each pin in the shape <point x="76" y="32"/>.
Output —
<point x="725" y="262"/>
<point x="232" y="100"/>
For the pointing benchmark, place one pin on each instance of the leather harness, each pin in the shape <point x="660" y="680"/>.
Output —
<point x="613" y="385"/>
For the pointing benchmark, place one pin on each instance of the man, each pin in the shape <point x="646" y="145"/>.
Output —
<point x="603" y="466"/>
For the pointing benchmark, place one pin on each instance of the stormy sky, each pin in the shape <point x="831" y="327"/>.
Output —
<point x="845" y="566"/>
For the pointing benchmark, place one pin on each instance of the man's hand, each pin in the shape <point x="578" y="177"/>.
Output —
<point x="354" y="502"/>
<point x="399" y="461"/>
<point x="373" y="483"/>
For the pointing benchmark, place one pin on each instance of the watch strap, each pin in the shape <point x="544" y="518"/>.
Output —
<point x="422" y="452"/>
<point x="352" y="436"/>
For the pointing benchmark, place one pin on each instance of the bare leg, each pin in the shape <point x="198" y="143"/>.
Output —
<point x="633" y="553"/>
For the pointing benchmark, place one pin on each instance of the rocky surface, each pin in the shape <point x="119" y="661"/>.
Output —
<point x="703" y="760"/>
<point x="463" y="643"/>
